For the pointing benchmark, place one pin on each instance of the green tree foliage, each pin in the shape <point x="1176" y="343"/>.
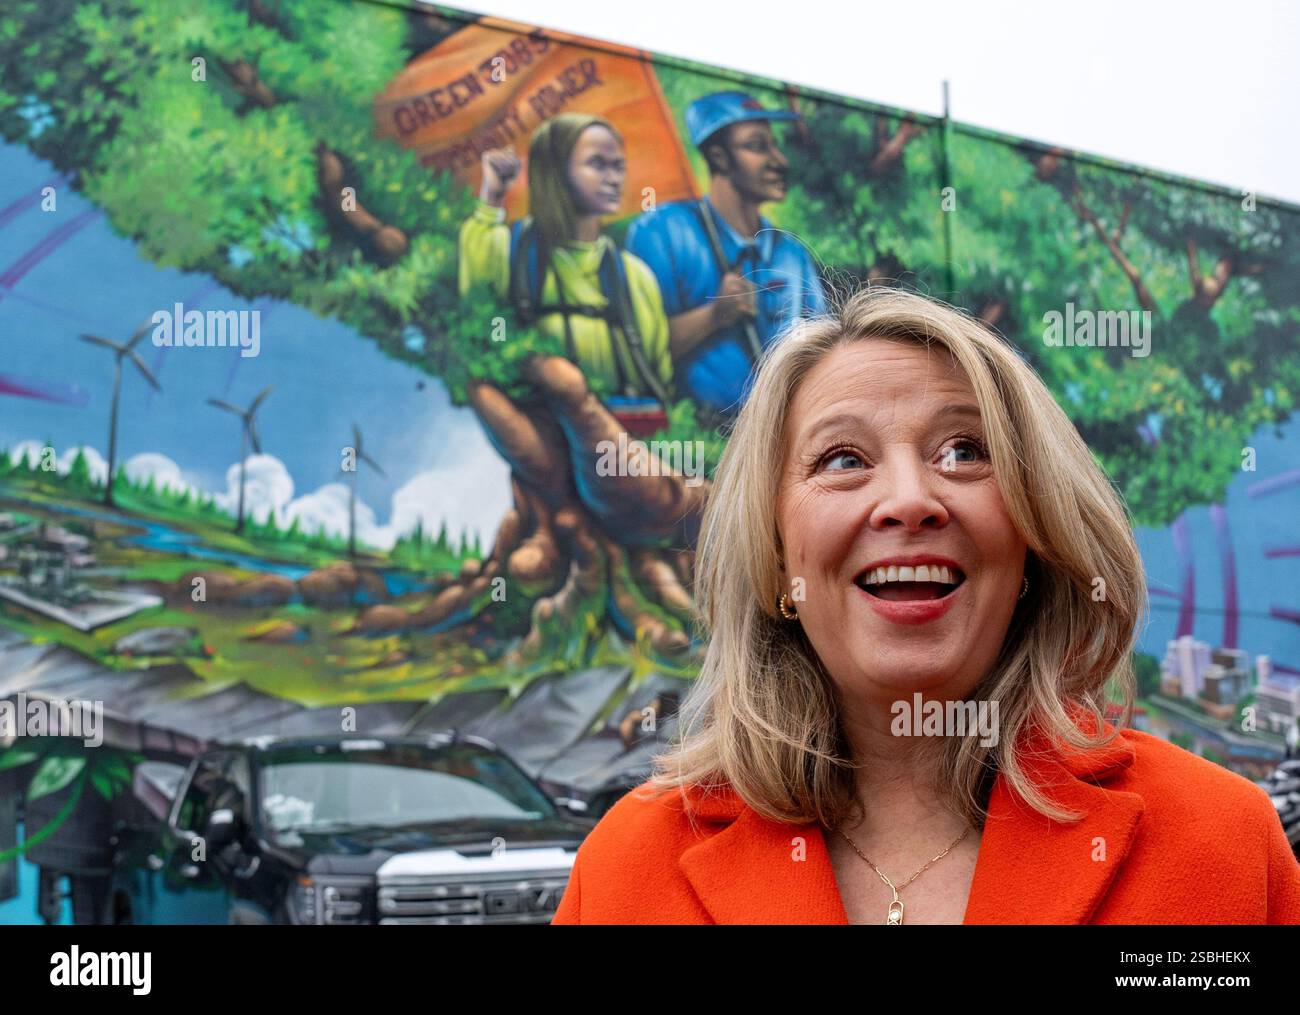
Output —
<point x="79" y="474"/>
<point x="54" y="764"/>
<point x="1035" y="238"/>
<point x="207" y="179"/>
<point x="419" y="551"/>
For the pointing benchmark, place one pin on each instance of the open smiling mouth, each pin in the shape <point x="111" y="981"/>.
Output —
<point x="910" y="584"/>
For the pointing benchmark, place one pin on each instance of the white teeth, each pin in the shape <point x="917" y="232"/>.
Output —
<point x="922" y="573"/>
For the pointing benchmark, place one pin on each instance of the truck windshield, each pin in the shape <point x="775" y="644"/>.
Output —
<point x="332" y="787"/>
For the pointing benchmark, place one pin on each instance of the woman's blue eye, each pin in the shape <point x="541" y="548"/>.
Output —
<point x="971" y="445"/>
<point x="839" y="456"/>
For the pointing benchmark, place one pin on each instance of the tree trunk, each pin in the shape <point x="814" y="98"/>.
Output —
<point x="589" y="553"/>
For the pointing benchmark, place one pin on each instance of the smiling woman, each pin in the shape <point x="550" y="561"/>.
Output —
<point x="905" y="517"/>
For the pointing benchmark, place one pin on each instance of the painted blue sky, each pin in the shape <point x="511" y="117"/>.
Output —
<point x="326" y="376"/>
<point x="1256" y="523"/>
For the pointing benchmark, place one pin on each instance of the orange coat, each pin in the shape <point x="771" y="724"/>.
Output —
<point x="1185" y="840"/>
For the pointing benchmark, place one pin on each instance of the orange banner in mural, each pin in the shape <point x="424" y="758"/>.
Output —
<point x="490" y="84"/>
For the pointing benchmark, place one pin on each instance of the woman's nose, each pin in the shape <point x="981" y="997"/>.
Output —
<point x="907" y="492"/>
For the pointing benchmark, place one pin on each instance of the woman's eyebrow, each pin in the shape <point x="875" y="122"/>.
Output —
<point x="850" y="422"/>
<point x="841" y="421"/>
<point x="961" y="409"/>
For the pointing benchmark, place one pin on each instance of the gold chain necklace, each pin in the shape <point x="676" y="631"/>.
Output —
<point x="894" y="917"/>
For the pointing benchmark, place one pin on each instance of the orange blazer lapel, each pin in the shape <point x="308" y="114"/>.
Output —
<point x="1030" y="870"/>
<point x="759" y="871"/>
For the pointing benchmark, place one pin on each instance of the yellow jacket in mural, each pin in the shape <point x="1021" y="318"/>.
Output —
<point x="485" y="257"/>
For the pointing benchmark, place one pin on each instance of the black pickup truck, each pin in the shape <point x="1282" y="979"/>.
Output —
<point x="343" y="830"/>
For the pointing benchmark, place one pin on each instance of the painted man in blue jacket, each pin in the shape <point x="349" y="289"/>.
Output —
<point x="731" y="281"/>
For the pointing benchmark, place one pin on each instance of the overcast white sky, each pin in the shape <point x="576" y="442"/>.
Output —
<point x="1210" y="90"/>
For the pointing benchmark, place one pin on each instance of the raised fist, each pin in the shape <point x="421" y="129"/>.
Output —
<point x="500" y="167"/>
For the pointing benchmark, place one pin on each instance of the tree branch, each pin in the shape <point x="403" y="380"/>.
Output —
<point x="1206" y="291"/>
<point x="1145" y="300"/>
<point x="384" y="243"/>
<point x="889" y="150"/>
<point x="243" y="76"/>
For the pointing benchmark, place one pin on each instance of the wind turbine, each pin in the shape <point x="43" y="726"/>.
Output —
<point x="352" y="500"/>
<point x="121" y="351"/>
<point x="248" y="435"/>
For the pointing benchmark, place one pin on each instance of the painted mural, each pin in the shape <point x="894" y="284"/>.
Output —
<point x="362" y="356"/>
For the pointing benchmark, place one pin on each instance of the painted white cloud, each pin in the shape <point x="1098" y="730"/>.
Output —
<point x="165" y="473"/>
<point x="471" y="498"/>
<point x="327" y="509"/>
<point x="468" y="497"/>
<point x="268" y="488"/>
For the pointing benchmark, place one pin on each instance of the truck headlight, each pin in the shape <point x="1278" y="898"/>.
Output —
<point x="332" y="900"/>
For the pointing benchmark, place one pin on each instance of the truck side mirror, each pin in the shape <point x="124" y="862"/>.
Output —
<point x="220" y="830"/>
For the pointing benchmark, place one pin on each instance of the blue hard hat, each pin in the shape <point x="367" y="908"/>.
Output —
<point x="710" y="113"/>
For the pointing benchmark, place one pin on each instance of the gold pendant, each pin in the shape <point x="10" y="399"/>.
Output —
<point x="895" y="917"/>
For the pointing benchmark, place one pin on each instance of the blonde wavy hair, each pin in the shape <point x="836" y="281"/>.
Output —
<point x="761" y="718"/>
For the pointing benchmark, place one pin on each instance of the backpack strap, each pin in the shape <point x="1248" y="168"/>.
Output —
<point x="715" y="243"/>
<point x="525" y="283"/>
<point x="526" y="280"/>
<point x="614" y="284"/>
<point x="603" y="314"/>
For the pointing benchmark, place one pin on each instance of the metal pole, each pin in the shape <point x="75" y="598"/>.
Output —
<point x="946" y="178"/>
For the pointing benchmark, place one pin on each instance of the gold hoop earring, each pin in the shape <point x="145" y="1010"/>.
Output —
<point x="787" y="611"/>
<point x="1024" y="588"/>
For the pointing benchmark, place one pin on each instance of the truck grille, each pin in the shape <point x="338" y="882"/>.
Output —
<point x="518" y="898"/>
